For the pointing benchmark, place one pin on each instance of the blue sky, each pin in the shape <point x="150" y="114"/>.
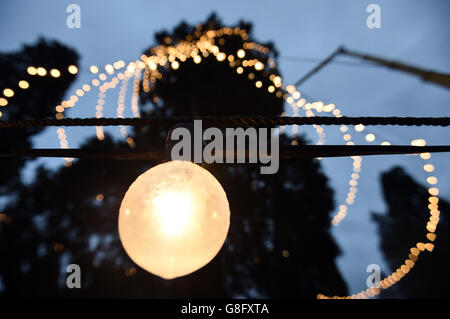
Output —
<point x="415" y="32"/>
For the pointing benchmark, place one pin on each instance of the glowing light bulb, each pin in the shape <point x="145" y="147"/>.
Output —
<point x="72" y="69"/>
<point x="174" y="219"/>
<point x="55" y="73"/>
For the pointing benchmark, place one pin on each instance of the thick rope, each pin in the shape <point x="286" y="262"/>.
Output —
<point x="285" y="152"/>
<point x="231" y="121"/>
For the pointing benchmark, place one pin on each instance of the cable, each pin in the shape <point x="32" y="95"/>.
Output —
<point x="439" y="78"/>
<point x="334" y="62"/>
<point x="231" y="121"/>
<point x="319" y="66"/>
<point x="285" y="152"/>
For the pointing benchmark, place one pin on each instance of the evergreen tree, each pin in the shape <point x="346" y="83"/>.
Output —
<point x="37" y="101"/>
<point x="402" y="226"/>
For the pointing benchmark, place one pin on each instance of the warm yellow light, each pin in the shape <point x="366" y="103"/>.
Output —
<point x="359" y="127"/>
<point x="418" y="142"/>
<point x="55" y="73"/>
<point x="174" y="219"/>
<point x="433" y="191"/>
<point x="175" y="65"/>
<point x="370" y="137"/>
<point x="290" y="88"/>
<point x="72" y="69"/>
<point x="221" y="56"/>
<point x="109" y="69"/>
<point x="41" y="71"/>
<point x="241" y="53"/>
<point x="258" y="84"/>
<point x="277" y="81"/>
<point x="31" y="70"/>
<point x="174" y="209"/>
<point x="93" y="69"/>
<point x="3" y="101"/>
<point x="197" y="59"/>
<point x="425" y="156"/>
<point x="24" y="84"/>
<point x="8" y="92"/>
<point x="259" y="66"/>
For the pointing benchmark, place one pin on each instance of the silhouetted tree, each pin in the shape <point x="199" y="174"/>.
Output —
<point x="402" y="226"/>
<point x="38" y="101"/>
<point x="269" y="213"/>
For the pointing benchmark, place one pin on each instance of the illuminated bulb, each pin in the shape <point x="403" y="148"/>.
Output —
<point x="259" y="66"/>
<point x="109" y="69"/>
<point x="55" y="73"/>
<point x="72" y="69"/>
<point x="174" y="219"/>
<point x="197" y="59"/>
<point x="24" y="84"/>
<point x="241" y="53"/>
<point x="41" y="71"/>
<point x="8" y="92"/>
<point x="175" y="65"/>
<point x="221" y="56"/>
<point x="418" y="142"/>
<point x="31" y="70"/>
<point x="433" y="191"/>
<point x="277" y="81"/>
<point x="93" y="69"/>
<point x="370" y="137"/>
<point x="3" y="101"/>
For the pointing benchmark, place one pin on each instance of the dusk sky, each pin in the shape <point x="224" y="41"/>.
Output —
<point x="304" y="32"/>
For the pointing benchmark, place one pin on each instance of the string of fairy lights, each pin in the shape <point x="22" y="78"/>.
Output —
<point x="145" y="72"/>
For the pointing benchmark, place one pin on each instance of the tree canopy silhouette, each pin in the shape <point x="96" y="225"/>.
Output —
<point x="402" y="226"/>
<point x="279" y="243"/>
<point x="38" y="101"/>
